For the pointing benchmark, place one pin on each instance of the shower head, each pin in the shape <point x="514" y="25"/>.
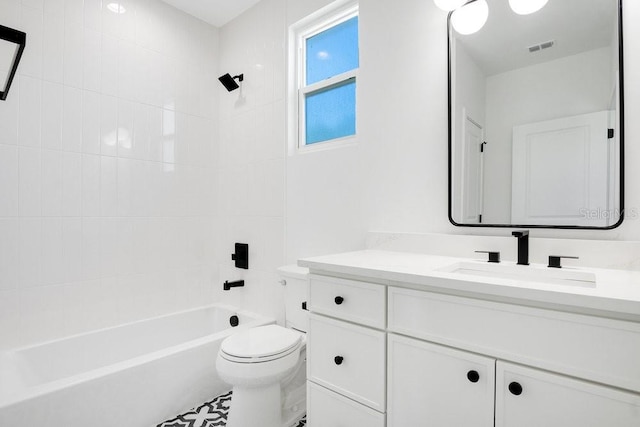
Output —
<point x="229" y="82"/>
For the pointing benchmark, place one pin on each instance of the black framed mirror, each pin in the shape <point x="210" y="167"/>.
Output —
<point x="536" y="117"/>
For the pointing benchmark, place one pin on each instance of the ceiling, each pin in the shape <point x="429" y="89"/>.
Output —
<point x="215" y="12"/>
<point x="574" y="25"/>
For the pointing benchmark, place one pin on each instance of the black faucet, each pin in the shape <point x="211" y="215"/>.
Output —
<point x="228" y="285"/>
<point x="523" y="246"/>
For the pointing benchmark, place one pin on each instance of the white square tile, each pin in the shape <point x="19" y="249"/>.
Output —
<point x="124" y="252"/>
<point x="72" y="119"/>
<point x="92" y="60"/>
<point x="72" y="249"/>
<point x="73" y="53"/>
<point x="109" y="65"/>
<point x="91" y="244"/>
<point x="143" y="132"/>
<point x="126" y="120"/>
<point x="127" y="67"/>
<point x="148" y="76"/>
<point x="71" y="184"/>
<point x="90" y="185"/>
<point x="52" y="115"/>
<point x="29" y="251"/>
<point x="125" y="186"/>
<point x="9" y="172"/>
<point x="74" y="12"/>
<point x="53" y="41"/>
<point x="109" y="20"/>
<point x="9" y="241"/>
<point x="141" y="198"/>
<point x="109" y="126"/>
<point x="127" y="20"/>
<point x="51" y="183"/>
<point x="91" y="122"/>
<point x="9" y="114"/>
<point x="93" y="14"/>
<point x="108" y="186"/>
<point x="30" y="101"/>
<point x="169" y="82"/>
<point x="154" y="133"/>
<point x="30" y="189"/>
<point x="32" y="24"/>
<point x="109" y="247"/>
<point x="52" y="266"/>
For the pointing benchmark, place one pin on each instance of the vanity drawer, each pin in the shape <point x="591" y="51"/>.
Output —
<point x="358" y="302"/>
<point x="348" y="359"/>
<point x="595" y="348"/>
<point x="328" y="409"/>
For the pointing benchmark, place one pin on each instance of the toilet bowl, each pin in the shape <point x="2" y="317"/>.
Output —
<point x="266" y="366"/>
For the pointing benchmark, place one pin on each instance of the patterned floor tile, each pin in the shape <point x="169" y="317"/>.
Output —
<point x="209" y="414"/>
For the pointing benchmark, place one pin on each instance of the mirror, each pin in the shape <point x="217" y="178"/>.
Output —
<point x="536" y="117"/>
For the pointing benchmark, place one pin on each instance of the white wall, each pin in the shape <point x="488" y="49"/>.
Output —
<point x="577" y="84"/>
<point x="107" y="159"/>
<point x="402" y="128"/>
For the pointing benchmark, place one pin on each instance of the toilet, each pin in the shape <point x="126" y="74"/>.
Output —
<point x="266" y="365"/>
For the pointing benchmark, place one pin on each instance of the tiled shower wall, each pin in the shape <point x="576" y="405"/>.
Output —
<point x="252" y="156"/>
<point x="108" y="167"/>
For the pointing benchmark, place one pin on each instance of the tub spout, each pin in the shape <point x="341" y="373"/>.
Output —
<point x="228" y="285"/>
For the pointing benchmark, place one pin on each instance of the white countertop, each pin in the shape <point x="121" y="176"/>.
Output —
<point x="616" y="292"/>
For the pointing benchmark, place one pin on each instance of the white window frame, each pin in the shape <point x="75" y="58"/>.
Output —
<point x="324" y="19"/>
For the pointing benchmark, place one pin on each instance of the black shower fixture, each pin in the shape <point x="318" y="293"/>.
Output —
<point x="230" y="82"/>
<point x="19" y="39"/>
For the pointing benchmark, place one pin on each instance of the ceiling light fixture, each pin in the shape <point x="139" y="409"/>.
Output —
<point x="526" y="7"/>
<point x="469" y="18"/>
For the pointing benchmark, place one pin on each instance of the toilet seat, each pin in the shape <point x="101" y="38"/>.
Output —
<point x="261" y="344"/>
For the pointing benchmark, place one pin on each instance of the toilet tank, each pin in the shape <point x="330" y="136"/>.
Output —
<point x="296" y="294"/>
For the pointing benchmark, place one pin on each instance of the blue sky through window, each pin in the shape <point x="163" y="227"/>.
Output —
<point x="332" y="52"/>
<point x="331" y="113"/>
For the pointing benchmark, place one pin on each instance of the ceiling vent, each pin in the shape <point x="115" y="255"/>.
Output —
<point x="541" y="46"/>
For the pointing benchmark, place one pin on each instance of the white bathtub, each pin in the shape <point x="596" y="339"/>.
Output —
<point x="134" y="375"/>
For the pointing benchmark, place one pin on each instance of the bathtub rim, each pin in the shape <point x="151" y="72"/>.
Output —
<point x="26" y="393"/>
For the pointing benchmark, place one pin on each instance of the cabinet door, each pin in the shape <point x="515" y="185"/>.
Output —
<point x="526" y="397"/>
<point x="328" y="409"/>
<point x="435" y="386"/>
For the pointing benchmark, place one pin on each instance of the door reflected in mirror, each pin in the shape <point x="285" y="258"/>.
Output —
<point x="536" y="117"/>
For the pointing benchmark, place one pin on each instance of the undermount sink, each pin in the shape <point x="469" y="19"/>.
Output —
<point x="526" y="273"/>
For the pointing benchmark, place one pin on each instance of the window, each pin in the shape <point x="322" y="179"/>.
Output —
<point x="326" y="54"/>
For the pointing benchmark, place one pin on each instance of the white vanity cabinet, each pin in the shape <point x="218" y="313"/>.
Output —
<point x="397" y="355"/>
<point x="346" y="353"/>
<point x="427" y="380"/>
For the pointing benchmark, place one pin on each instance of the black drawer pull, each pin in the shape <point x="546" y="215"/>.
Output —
<point x="473" y="376"/>
<point x="338" y="360"/>
<point x="515" y="388"/>
<point x="338" y="300"/>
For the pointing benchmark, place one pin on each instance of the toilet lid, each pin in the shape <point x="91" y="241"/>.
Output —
<point x="261" y="342"/>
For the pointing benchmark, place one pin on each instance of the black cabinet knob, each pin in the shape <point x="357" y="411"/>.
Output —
<point x="338" y="360"/>
<point x="515" y="388"/>
<point x="473" y="376"/>
<point x="339" y="300"/>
